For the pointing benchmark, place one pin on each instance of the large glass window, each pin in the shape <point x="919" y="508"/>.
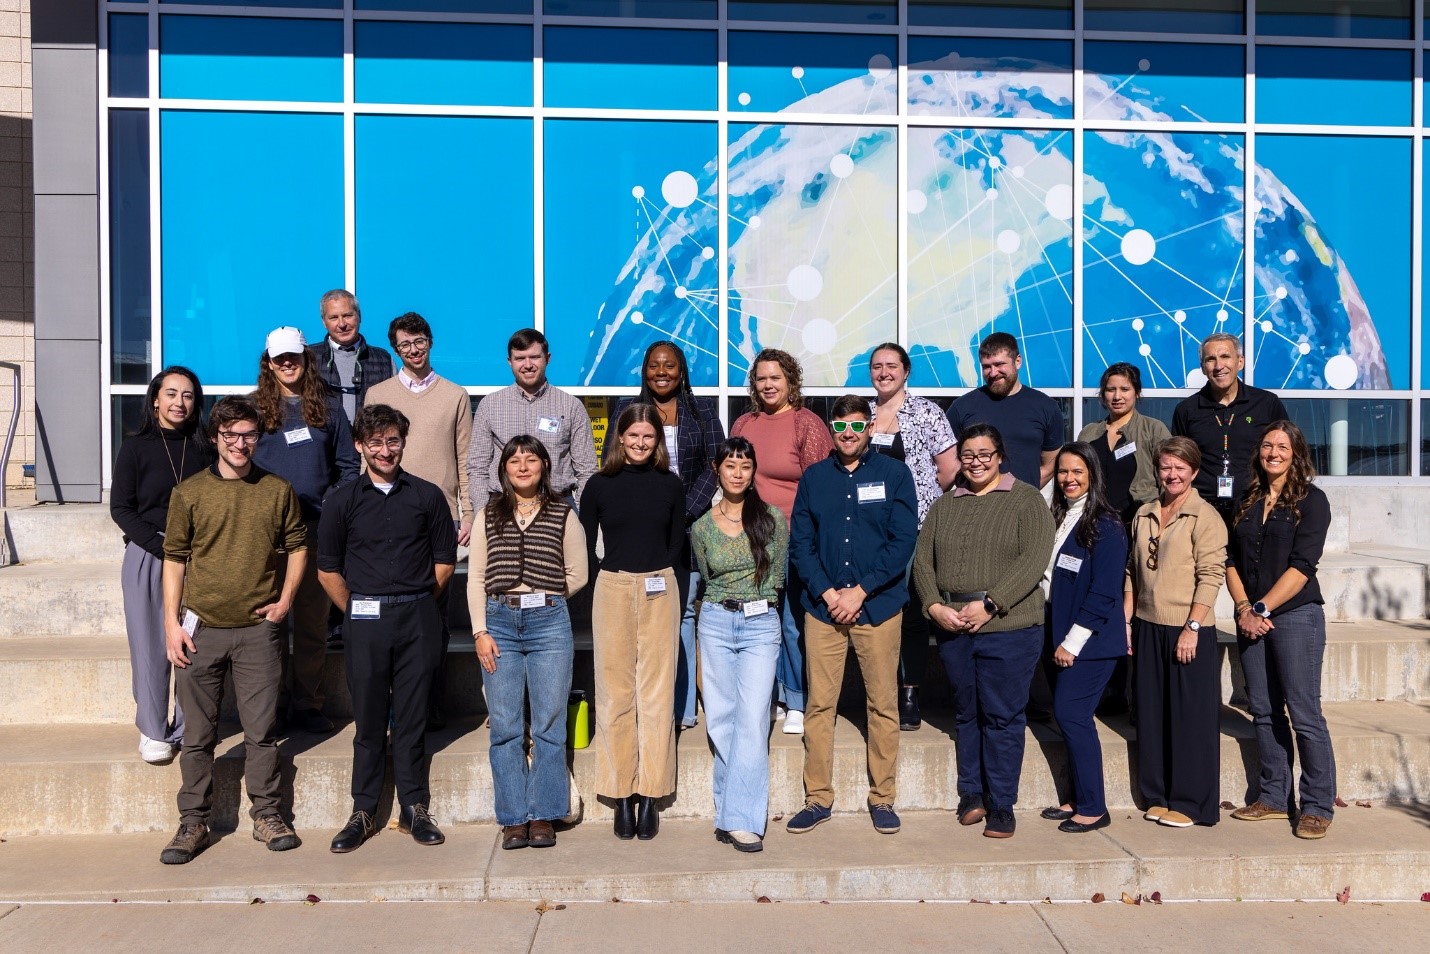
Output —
<point x="630" y="69"/>
<point x="442" y="63"/>
<point x="813" y="72"/>
<point x="1296" y="84"/>
<point x="130" y="311"/>
<point x="1164" y="82"/>
<point x="965" y="77"/>
<point x="1011" y="15"/>
<point x="129" y="55"/>
<point x="251" y="58"/>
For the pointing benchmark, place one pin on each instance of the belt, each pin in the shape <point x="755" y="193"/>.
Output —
<point x="737" y="606"/>
<point x="389" y="600"/>
<point x="513" y="600"/>
<point x="976" y="596"/>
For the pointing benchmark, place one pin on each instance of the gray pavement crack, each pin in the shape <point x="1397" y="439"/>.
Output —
<point x="1037" y="909"/>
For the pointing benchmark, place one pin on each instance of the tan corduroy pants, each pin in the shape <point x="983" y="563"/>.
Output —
<point x="635" y="635"/>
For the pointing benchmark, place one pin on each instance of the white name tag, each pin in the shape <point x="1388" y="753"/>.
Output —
<point x="366" y="609"/>
<point x="548" y="425"/>
<point x="1223" y="487"/>
<point x="191" y="622"/>
<point x="1066" y="561"/>
<point x="871" y="493"/>
<point x="883" y="440"/>
<point x="533" y="600"/>
<point x="1128" y="448"/>
<point x="299" y="435"/>
<point x="655" y="584"/>
<point x="756" y="608"/>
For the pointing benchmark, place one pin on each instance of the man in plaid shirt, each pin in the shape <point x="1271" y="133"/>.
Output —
<point x="349" y="365"/>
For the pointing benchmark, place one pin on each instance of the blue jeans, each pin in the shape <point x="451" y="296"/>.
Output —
<point x="535" y="664"/>
<point x="790" y="672"/>
<point x="1283" y="677"/>
<point x="737" y="657"/>
<point x="688" y="582"/>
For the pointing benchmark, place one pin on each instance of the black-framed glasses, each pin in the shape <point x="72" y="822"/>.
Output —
<point x="840" y="427"/>
<point x="374" y="447"/>
<point x="415" y="344"/>
<point x="1152" y="544"/>
<point x="983" y="457"/>
<point x="239" y="437"/>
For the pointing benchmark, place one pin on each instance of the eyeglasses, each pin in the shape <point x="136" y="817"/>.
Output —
<point x="416" y="344"/>
<point x="239" y="437"/>
<point x="1152" y="543"/>
<point x="982" y="457"/>
<point x="375" y="447"/>
<point x="841" y="426"/>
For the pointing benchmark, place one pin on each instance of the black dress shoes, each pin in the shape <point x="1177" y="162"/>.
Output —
<point x="648" y="821"/>
<point x="626" y="817"/>
<point x="1078" y="828"/>
<point x="909" y="715"/>
<point x="360" y="827"/>
<point x="1054" y="813"/>
<point x="417" y="821"/>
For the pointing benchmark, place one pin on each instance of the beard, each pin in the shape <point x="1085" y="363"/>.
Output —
<point x="1001" y="387"/>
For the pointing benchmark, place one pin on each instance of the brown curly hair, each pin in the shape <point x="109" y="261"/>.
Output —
<point x="1298" y="476"/>
<point x="312" y="390"/>
<point x="793" y="374"/>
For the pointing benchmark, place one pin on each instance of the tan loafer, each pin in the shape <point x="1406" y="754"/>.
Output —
<point x="1154" y="813"/>
<point x="1258" y="811"/>
<point x="1312" y="827"/>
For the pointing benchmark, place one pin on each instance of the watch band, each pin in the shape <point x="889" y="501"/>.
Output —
<point x="1194" y="626"/>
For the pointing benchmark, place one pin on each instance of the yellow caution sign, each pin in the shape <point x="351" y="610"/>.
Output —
<point x="598" y="410"/>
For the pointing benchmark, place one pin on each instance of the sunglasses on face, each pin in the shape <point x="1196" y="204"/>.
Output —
<point x="840" y="427"/>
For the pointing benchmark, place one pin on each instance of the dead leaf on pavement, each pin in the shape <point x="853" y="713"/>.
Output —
<point x="1362" y="803"/>
<point x="256" y="901"/>
<point x="1156" y="897"/>
<point x="1344" y="897"/>
<point x="1128" y="899"/>
<point x="1228" y="807"/>
<point x="1340" y="802"/>
<point x="763" y="899"/>
<point x="1098" y="898"/>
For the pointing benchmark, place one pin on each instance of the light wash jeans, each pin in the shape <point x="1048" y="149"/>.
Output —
<point x="535" y="662"/>
<point x="688" y="582"/>
<point x="737" y="659"/>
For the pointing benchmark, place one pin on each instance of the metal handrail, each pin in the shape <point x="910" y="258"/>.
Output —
<point x="9" y="431"/>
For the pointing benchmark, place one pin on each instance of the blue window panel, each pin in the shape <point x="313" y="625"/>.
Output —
<point x="813" y="236"/>
<point x="630" y="69"/>
<point x="990" y="14"/>
<point x="667" y="9"/>
<point x="128" y="54"/>
<point x="1162" y="251"/>
<point x="974" y="77"/>
<point x="251" y="58"/>
<point x="1342" y="87"/>
<point x="631" y="236"/>
<point x="444" y="228"/>
<point x="1184" y="82"/>
<point x="1332" y="281"/>
<point x="989" y="220"/>
<point x="1365" y="19"/>
<point x="276" y="4"/>
<point x="816" y="11"/>
<point x="130" y="312"/>
<point x="774" y="71"/>
<point x="447" y="6"/>
<point x="1168" y="16"/>
<point x="252" y="233"/>
<point x="442" y="63"/>
<point x="1425" y="300"/>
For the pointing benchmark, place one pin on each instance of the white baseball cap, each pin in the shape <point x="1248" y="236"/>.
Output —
<point x="285" y="340"/>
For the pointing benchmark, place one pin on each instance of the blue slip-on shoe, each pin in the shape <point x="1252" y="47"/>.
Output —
<point x="886" y="822"/>
<point x="808" y="818"/>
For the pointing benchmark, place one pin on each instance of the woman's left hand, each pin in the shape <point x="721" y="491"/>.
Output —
<point x="1063" y="658"/>
<point x="1186" y="646"/>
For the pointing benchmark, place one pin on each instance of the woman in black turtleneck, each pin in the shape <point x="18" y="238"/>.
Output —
<point x="638" y="507"/>
<point x="170" y="445"/>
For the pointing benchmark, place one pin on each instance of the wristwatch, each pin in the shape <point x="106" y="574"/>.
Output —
<point x="1194" y="626"/>
<point x="1259" y="608"/>
<point x="989" y="607"/>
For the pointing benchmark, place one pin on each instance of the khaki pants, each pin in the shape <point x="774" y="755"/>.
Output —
<point x="825" y="650"/>
<point x="635" y="636"/>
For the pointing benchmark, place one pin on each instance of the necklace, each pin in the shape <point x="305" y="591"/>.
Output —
<point x="183" y="456"/>
<point x="721" y="510"/>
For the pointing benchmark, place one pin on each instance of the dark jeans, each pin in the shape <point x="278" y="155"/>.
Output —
<point x="254" y="654"/>
<point x="1178" y="736"/>
<point x="914" y="640"/>
<point x="1283" y="678"/>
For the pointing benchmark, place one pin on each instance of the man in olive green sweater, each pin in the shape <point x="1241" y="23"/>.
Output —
<point x="234" y="552"/>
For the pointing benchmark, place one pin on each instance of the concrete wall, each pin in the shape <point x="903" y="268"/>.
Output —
<point x="17" y="233"/>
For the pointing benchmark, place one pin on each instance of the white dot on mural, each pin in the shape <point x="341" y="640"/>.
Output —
<point x="917" y="201"/>
<point x="992" y="194"/>
<point x="1009" y="241"/>
<point x="679" y="189"/>
<point x="1144" y="65"/>
<point x="1341" y="372"/>
<point x="680" y="291"/>
<point x="638" y="192"/>
<point x="1280" y="292"/>
<point x="995" y="163"/>
<point x="841" y="165"/>
<point x="805" y="282"/>
<point x="1196" y="378"/>
<point x="1058" y="201"/>
<point x="1017" y="172"/>
<point x="1144" y="350"/>
<point x="1138" y="247"/>
<point x="1179" y="316"/>
<point x="743" y="99"/>
<point x="1221" y="314"/>
<point x="819" y="336"/>
<point x="754" y="221"/>
<point x="1304" y="347"/>
<point x="1266" y="327"/>
<point x="1138" y="324"/>
<point x="797" y="72"/>
<point x="707" y="253"/>
<point x="880" y="66"/>
<point x="637" y="318"/>
<point x="1289" y="256"/>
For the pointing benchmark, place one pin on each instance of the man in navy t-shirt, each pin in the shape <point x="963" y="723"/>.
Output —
<point x="1031" y="422"/>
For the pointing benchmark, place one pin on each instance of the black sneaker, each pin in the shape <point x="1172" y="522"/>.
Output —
<point x="1000" y="823"/>
<point x="970" y="809"/>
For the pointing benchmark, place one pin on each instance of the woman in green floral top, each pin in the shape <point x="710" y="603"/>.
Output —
<point x="740" y="546"/>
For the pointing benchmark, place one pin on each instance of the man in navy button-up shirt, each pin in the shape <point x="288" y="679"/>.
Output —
<point x="852" y="534"/>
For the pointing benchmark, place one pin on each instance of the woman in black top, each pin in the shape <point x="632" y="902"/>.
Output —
<point x="1276" y="542"/>
<point x="170" y="445"/>
<point x="638" y="507"/>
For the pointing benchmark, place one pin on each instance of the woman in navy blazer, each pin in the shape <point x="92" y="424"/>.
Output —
<point x="1086" y="624"/>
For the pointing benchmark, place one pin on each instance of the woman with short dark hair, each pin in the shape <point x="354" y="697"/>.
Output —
<point x="1125" y="441"/>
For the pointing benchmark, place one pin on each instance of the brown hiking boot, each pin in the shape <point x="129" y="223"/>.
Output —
<point x="1312" y="826"/>
<point x="274" y="832"/>
<point x="1258" y="811"/>
<point x="192" y="838"/>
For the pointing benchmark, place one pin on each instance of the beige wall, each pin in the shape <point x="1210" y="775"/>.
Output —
<point x="17" y="241"/>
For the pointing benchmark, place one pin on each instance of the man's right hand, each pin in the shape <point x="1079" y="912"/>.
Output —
<point x="176" y="640"/>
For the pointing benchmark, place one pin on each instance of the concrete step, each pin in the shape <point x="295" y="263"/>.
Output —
<point x="50" y="533"/>
<point x="89" y="779"/>
<point x="1382" y="853"/>
<point x="61" y="599"/>
<point x="1359" y="585"/>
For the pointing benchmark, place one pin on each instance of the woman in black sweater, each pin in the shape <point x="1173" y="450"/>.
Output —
<point x="170" y="445"/>
<point x="638" y="507"/>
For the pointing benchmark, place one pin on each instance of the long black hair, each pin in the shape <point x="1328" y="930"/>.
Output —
<point x="683" y="391"/>
<point x="1096" y="506"/>
<point x="755" y="514"/>
<point x="192" y="427"/>
<point x="501" y="509"/>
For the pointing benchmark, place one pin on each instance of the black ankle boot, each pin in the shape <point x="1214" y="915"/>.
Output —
<point x="909" y="716"/>
<point x="626" y="818"/>
<point x="648" y="821"/>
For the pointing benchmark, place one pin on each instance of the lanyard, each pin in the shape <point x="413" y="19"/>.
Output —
<point x="1225" y="439"/>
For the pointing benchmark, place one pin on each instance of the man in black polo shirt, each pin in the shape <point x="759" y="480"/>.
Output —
<point x="386" y="548"/>
<point x="1225" y="418"/>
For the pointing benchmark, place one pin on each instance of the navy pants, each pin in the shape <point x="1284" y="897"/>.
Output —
<point x="1076" y="692"/>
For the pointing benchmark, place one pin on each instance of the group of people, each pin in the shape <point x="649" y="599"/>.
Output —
<point x="736" y="569"/>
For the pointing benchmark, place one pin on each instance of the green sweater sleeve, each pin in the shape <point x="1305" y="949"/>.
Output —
<point x="1035" y="532"/>
<point x="925" y="578"/>
<point x="779" y="550"/>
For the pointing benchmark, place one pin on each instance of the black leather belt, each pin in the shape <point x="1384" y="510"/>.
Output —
<point x="513" y="600"/>
<point x="737" y="606"/>
<point x="976" y="596"/>
<point x="399" y="598"/>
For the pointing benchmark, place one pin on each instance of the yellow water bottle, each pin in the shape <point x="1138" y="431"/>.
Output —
<point x="578" y="720"/>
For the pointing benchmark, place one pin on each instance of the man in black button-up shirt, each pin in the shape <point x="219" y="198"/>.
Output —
<point x="386" y="548"/>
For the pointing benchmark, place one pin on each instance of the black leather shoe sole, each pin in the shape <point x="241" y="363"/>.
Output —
<point x="346" y="841"/>
<point x="1078" y="828"/>
<point x="1055" y="813"/>
<point x="723" y="837"/>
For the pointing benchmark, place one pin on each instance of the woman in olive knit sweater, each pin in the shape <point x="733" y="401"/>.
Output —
<point x="978" y="565"/>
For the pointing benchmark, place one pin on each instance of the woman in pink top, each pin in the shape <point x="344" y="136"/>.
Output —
<point x="788" y="437"/>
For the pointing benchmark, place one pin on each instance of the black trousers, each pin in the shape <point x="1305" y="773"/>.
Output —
<point x="390" y="664"/>
<point x="1178" y="713"/>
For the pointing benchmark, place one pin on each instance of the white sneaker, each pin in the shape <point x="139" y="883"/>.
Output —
<point x="156" y="751"/>
<point x="794" y="723"/>
<point x="780" y="712"/>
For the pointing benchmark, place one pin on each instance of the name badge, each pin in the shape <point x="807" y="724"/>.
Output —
<point x="533" y="600"/>
<point x="548" y="425"/>
<point x="191" y="622"/>
<point x="654" y="584"/>
<point x="1066" y="561"/>
<point x="1129" y="448"/>
<point x="1223" y="487"/>
<point x="871" y="493"/>
<point x="883" y="440"/>
<point x="365" y="609"/>
<point x="299" y="435"/>
<point x="756" y="608"/>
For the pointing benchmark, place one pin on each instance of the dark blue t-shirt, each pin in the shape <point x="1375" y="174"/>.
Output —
<point x="1029" y="421"/>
